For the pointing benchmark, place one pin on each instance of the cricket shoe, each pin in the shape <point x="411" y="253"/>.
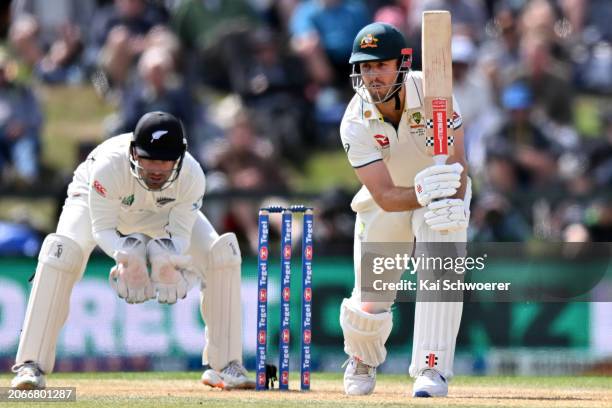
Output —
<point x="29" y="376"/>
<point x="430" y="383"/>
<point x="359" y="378"/>
<point x="232" y="377"/>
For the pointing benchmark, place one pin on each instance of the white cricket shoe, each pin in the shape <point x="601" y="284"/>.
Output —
<point x="29" y="376"/>
<point x="430" y="383"/>
<point x="359" y="378"/>
<point x="232" y="377"/>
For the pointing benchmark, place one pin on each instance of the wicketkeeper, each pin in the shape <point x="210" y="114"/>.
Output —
<point x="138" y="196"/>
<point x="405" y="197"/>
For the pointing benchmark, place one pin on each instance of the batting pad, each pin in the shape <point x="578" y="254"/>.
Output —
<point x="221" y="305"/>
<point x="436" y="323"/>
<point x="365" y="334"/>
<point x="59" y="265"/>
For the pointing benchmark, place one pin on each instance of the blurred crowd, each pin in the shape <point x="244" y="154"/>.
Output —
<point x="261" y="85"/>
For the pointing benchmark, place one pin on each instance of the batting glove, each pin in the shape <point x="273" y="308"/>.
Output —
<point x="447" y="215"/>
<point x="437" y="181"/>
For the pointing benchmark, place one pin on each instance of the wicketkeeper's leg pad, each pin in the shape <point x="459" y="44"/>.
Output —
<point x="365" y="334"/>
<point x="59" y="266"/>
<point x="221" y="305"/>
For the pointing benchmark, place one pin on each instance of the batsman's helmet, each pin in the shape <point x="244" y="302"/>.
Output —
<point x="158" y="136"/>
<point x="379" y="42"/>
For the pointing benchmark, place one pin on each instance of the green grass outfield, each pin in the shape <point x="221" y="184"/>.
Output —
<point x="184" y="390"/>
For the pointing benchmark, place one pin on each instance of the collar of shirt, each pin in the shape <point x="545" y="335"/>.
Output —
<point x="369" y="111"/>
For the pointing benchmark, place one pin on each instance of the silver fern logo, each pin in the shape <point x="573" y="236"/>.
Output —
<point x="157" y="135"/>
<point x="161" y="201"/>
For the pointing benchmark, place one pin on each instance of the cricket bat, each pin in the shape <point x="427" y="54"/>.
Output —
<point x="438" y="84"/>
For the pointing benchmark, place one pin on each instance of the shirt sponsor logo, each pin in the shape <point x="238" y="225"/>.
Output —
<point x="161" y="201"/>
<point x="382" y="140"/>
<point x="128" y="201"/>
<point x="99" y="188"/>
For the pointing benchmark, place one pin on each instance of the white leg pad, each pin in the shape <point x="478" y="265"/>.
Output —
<point x="365" y="334"/>
<point x="436" y="324"/>
<point x="435" y="332"/>
<point x="221" y="305"/>
<point x="59" y="267"/>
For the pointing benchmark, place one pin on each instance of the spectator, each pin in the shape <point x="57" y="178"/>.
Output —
<point x="541" y="19"/>
<point x="397" y="14"/>
<point x="598" y="219"/>
<point x="247" y="163"/>
<point x="119" y="35"/>
<point x="216" y="34"/>
<point x="600" y="154"/>
<point x="158" y="87"/>
<point x="61" y="26"/>
<point x="23" y="39"/>
<point x="272" y="86"/>
<point x="200" y="24"/>
<point x="475" y="96"/>
<point x="499" y="56"/>
<point x="322" y="33"/>
<point x="523" y="139"/>
<point x="19" y="239"/>
<point x="20" y="125"/>
<point x="598" y="19"/>
<point x="54" y="16"/>
<point x="494" y="219"/>
<point x="468" y="15"/>
<point x="549" y="82"/>
<point x="335" y="223"/>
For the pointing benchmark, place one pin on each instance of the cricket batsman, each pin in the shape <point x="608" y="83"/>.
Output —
<point x="138" y="196"/>
<point x="405" y="198"/>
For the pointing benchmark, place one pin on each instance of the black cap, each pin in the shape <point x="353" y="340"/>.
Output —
<point x="159" y="136"/>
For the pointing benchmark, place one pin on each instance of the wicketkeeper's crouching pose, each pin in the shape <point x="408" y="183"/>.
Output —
<point x="138" y="197"/>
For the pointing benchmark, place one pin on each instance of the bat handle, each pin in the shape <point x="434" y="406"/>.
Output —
<point x="441" y="159"/>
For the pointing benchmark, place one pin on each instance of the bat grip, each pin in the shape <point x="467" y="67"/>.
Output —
<point x="441" y="159"/>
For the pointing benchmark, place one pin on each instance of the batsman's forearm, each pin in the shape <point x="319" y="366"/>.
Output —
<point x="397" y="199"/>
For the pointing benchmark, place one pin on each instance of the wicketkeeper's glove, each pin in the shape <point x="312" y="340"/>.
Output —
<point x="130" y="277"/>
<point x="172" y="274"/>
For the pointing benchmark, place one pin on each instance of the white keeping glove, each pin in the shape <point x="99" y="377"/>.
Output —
<point x="447" y="215"/>
<point x="130" y="277"/>
<point x="437" y="181"/>
<point x="172" y="274"/>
